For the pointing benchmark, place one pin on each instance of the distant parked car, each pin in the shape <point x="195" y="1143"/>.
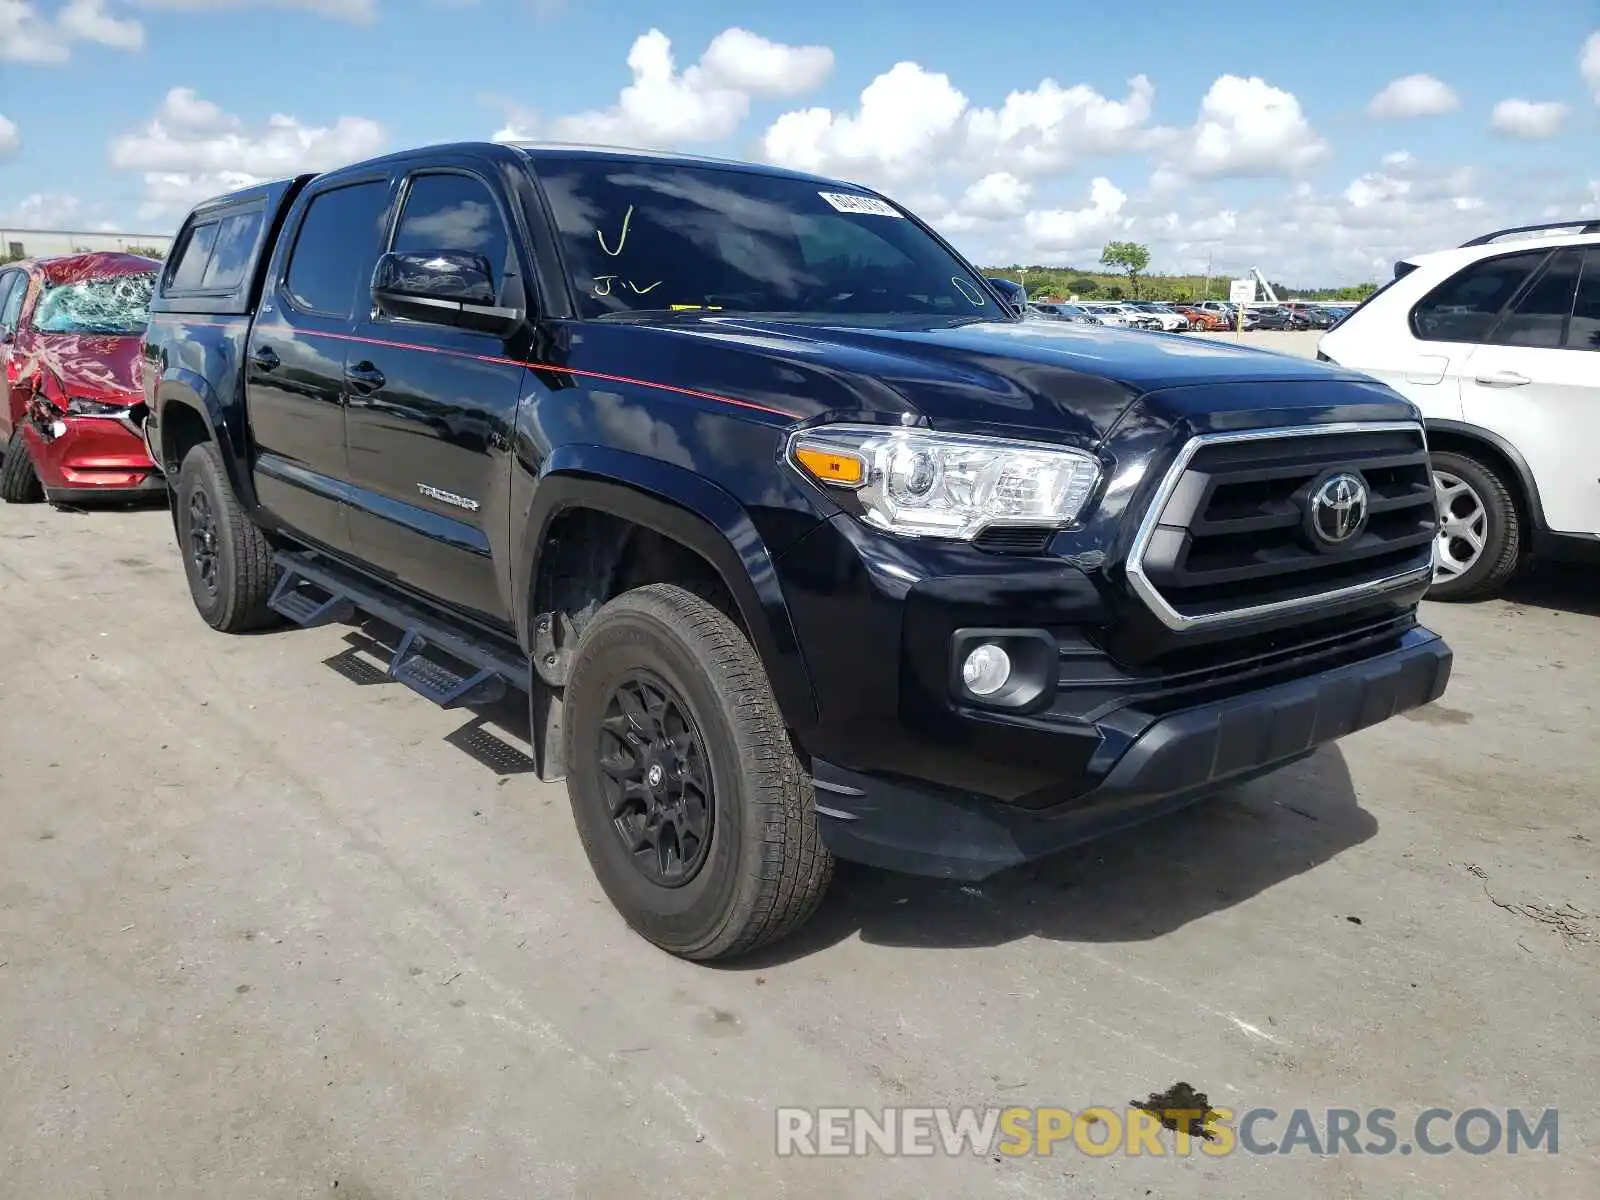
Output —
<point x="70" y="394"/>
<point x="1068" y="312"/>
<point x="1271" y="317"/>
<point x="1172" y="321"/>
<point x="1204" y="318"/>
<point x="1111" y="313"/>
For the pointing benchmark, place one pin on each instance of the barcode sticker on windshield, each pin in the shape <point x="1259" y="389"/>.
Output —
<point x="870" y="205"/>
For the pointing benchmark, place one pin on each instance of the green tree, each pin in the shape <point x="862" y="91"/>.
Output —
<point x="1113" y="291"/>
<point x="154" y="252"/>
<point x="1128" y="257"/>
<point x="1083" y="286"/>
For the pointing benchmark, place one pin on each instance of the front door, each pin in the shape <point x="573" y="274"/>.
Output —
<point x="1536" y="383"/>
<point x="431" y="410"/>
<point x="296" y="358"/>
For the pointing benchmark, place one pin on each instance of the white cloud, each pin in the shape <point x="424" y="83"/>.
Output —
<point x="10" y="139"/>
<point x="41" y="210"/>
<point x="1589" y="64"/>
<point x="1529" y="119"/>
<point x="191" y="148"/>
<point x="907" y="117"/>
<point x="706" y="102"/>
<point x="1082" y="230"/>
<point x="362" y="11"/>
<point x="996" y="196"/>
<point x="1414" y="96"/>
<point x="912" y="122"/>
<point x="1246" y="127"/>
<point x="28" y="33"/>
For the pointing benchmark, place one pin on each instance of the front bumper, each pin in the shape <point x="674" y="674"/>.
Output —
<point x="1175" y="761"/>
<point x="93" y="456"/>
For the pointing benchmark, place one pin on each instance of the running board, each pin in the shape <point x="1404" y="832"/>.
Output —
<point x="445" y="664"/>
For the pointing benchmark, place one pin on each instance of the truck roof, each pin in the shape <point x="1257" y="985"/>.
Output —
<point x="534" y="150"/>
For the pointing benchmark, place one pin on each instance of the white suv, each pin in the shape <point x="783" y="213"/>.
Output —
<point x="1498" y="343"/>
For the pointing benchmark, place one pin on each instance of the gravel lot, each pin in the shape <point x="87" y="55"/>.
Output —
<point x="272" y="927"/>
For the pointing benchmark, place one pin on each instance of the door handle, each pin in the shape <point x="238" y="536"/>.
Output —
<point x="1501" y="379"/>
<point x="364" y="377"/>
<point x="266" y="358"/>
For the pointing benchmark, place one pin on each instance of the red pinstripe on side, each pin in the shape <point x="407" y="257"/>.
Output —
<point x="513" y="362"/>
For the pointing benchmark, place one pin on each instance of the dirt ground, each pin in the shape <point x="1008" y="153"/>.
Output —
<point x="271" y="926"/>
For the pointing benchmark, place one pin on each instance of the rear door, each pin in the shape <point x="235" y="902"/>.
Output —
<point x="431" y="408"/>
<point x="1535" y="381"/>
<point x="295" y="360"/>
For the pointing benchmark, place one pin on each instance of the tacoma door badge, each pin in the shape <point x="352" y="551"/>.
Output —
<point x="444" y="497"/>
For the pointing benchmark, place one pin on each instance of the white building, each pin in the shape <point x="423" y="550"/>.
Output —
<point x="42" y="243"/>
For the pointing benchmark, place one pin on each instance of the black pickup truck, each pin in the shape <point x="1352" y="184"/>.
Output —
<point x="800" y="541"/>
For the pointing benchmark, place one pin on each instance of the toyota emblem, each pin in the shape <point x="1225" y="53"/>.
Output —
<point x="1338" y="509"/>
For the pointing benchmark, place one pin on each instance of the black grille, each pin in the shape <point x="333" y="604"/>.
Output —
<point x="1234" y="532"/>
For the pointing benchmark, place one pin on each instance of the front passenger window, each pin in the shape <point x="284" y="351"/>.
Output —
<point x="453" y="212"/>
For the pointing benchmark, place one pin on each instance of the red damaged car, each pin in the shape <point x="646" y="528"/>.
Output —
<point x="70" y="395"/>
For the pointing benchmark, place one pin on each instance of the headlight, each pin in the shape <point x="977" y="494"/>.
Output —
<point x="80" y="407"/>
<point x="945" y="485"/>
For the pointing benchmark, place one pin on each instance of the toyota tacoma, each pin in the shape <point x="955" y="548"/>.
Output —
<point x="799" y="540"/>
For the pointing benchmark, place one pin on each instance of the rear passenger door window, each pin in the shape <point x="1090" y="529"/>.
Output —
<point x="1539" y="317"/>
<point x="455" y="213"/>
<point x="1467" y="306"/>
<point x="337" y="239"/>
<point x="1584" y="331"/>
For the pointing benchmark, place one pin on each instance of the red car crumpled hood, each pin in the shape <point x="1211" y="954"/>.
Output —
<point x="95" y="366"/>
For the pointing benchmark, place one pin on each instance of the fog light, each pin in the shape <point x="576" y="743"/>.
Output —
<point x="986" y="670"/>
<point x="58" y="428"/>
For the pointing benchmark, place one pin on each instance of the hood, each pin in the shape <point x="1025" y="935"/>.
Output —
<point x="95" y="366"/>
<point x="1054" y="380"/>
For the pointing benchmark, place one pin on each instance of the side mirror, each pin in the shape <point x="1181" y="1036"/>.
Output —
<point x="443" y="287"/>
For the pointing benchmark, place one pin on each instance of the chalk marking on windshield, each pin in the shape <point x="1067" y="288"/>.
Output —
<point x="974" y="297"/>
<point x="605" y="279"/>
<point x="622" y="241"/>
<point x="640" y="291"/>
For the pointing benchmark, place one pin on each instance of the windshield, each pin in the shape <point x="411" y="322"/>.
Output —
<point x="117" y="305"/>
<point x="664" y="237"/>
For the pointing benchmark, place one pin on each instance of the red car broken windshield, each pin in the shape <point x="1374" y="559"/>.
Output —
<point x="119" y="305"/>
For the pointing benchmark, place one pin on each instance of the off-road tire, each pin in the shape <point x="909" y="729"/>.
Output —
<point x="244" y="571"/>
<point x="19" y="482"/>
<point x="766" y="868"/>
<point x="1502" y="547"/>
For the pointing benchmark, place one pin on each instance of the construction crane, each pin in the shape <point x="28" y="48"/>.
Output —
<point x="1267" y="293"/>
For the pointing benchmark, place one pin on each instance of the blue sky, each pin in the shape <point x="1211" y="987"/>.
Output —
<point x="1247" y="135"/>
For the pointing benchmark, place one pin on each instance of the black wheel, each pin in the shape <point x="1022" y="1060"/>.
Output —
<point x="695" y="814"/>
<point x="19" y="482"/>
<point x="1480" y="530"/>
<point x="226" y="557"/>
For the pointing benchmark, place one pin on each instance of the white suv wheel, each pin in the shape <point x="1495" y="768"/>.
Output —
<point x="1463" y="526"/>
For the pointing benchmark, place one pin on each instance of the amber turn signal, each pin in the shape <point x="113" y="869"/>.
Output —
<point x="832" y="466"/>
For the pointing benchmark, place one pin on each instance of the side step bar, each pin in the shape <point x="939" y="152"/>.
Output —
<point x="445" y="665"/>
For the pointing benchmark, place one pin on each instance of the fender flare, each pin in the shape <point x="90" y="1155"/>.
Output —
<point x="1525" y="479"/>
<point x="690" y="509"/>
<point x="193" y="390"/>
